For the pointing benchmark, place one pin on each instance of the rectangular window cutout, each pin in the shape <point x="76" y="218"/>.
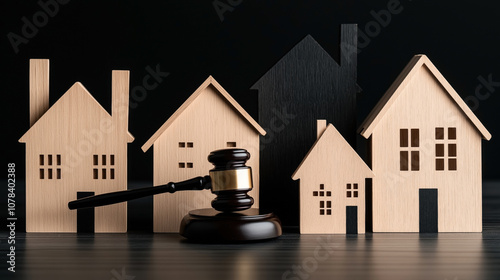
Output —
<point x="189" y="165"/>
<point x="328" y="204"/>
<point x="440" y="150"/>
<point x="321" y="186"/>
<point x="355" y="186"/>
<point x="49" y="159"/>
<point x="348" y="193"/>
<point x="403" y="160"/>
<point x="41" y="160"/>
<point x="328" y="211"/>
<point x="403" y="137"/>
<point x="452" y="164"/>
<point x="112" y="159"/>
<point x="355" y="193"/>
<point x="182" y="165"/>
<point x="112" y="174"/>
<point x="321" y="204"/>
<point x="231" y="144"/>
<point x="190" y="144"/>
<point x="182" y="144"/>
<point x="49" y="173"/>
<point x="315" y="193"/>
<point x="415" y="138"/>
<point x="58" y="159"/>
<point x="452" y="133"/>
<point x="439" y="164"/>
<point x="96" y="159"/>
<point x="103" y="160"/>
<point x="96" y="173"/>
<point x="104" y="173"/>
<point x="58" y="175"/>
<point x="348" y="186"/>
<point x="322" y="211"/>
<point x="328" y="193"/>
<point x="321" y="193"/>
<point x="439" y="133"/>
<point x="415" y="160"/>
<point x="42" y="174"/>
<point x="452" y="150"/>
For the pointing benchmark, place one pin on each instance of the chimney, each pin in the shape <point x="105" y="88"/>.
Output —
<point x="320" y="127"/>
<point x="349" y="47"/>
<point x="39" y="89"/>
<point x="119" y="96"/>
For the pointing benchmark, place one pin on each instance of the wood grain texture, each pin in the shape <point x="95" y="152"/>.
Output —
<point x="305" y="85"/>
<point x="210" y="119"/>
<point x="60" y="150"/>
<point x="39" y="88"/>
<point x="421" y="99"/>
<point x="334" y="165"/>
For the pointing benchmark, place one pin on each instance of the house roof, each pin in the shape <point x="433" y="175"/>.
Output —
<point x="209" y="81"/>
<point x="310" y="45"/>
<point x="398" y="86"/>
<point x="333" y="140"/>
<point x="76" y="89"/>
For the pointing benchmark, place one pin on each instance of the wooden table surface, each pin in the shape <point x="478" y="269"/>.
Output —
<point x="450" y="256"/>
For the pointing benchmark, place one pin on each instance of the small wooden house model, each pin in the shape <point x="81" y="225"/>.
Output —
<point x="208" y="120"/>
<point x="426" y="155"/>
<point x="74" y="149"/>
<point x="332" y="185"/>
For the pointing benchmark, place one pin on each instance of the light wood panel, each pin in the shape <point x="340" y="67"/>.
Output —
<point x="60" y="149"/>
<point x="331" y="173"/>
<point x="208" y="120"/>
<point x="421" y="99"/>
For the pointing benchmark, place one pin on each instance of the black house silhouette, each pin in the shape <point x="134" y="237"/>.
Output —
<point x="305" y="85"/>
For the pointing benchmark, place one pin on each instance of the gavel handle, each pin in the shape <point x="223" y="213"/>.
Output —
<point x="198" y="183"/>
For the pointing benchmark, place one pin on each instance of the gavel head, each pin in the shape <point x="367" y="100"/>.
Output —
<point x="231" y="180"/>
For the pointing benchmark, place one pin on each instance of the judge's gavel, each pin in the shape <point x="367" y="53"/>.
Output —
<point x="230" y="180"/>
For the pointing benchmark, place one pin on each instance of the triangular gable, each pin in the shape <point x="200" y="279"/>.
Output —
<point x="209" y="81"/>
<point x="303" y="44"/>
<point x="76" y="88"/>
<point x="332" y="137"/>
<point x="398" y="86"/>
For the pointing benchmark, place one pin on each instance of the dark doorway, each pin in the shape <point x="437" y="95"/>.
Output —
<point x="351" y="221"/>
<point x="85" y="217"/>
<point x="428" y="210"/>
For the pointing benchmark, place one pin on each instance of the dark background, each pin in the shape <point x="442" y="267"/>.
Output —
<point x="85" y="40"/>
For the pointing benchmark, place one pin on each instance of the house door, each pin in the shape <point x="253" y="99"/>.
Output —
<point x="85" y="216"/>
<point x="428" y="210"/>
<point x="351" y="221"/>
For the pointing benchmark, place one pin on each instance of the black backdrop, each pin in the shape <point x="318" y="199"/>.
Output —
<point x="236" y="41"/>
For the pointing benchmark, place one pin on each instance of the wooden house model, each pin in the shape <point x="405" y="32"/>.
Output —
<point x="425" y="154"/>
<point x="74" y="149"/>
<point x="332" y="185"/>
<point x="208" y="120"/>
<point x="304" y="85"/>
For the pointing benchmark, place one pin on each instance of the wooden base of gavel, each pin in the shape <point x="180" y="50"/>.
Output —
<point x="230" y="220"/>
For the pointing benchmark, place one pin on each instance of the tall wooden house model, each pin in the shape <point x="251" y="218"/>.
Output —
<point x="208" y="120"/>
<point x="332" y="185"/>
<point x="73" y="149"/>
<point x="426" y="155"/>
